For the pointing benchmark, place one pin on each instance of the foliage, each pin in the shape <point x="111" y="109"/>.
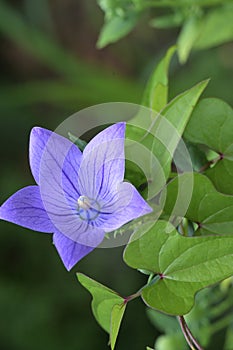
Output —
<point x="179" y="266"/>
<point x="207" y="319"/>
<point x="211" y="125"/>
<point x="199" y="21"/>
<point x="187" y="253"/>
<point x="108" y="307"/>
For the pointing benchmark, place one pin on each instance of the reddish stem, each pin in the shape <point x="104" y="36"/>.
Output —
<point x="188" y="335"/>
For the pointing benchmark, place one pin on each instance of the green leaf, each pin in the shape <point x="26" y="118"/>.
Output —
<point x="116" y="318"/>
<point x="212" y="210"/>
<point x="186" y="264"/>
<point x="113" y="7"/>
<point x="160" y="134"/>
<point x="164" y="323"/>
<point x="171" y="342"/>
<point x="135" y="175"/>
<point x="156" y="92"/>
<point x="116" y="28"/>
<point x="217" y="27"/>
<point x="187" y="37"/>
<point x="168" y="21"/>
<point x="108" y="307"/>
<point x="177" y="112"/>
<point x="211" y="124"/>
<point x="197" y="156"/>
<point x="222" y="175"/>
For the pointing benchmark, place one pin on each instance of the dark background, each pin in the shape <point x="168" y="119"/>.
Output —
<point x="50" y="68"/>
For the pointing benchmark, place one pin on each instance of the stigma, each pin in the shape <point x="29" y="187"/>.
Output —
<point x="84" y="202"/>
<point x="88" y="208"/>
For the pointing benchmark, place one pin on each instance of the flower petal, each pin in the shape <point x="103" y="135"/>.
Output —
<point x="58" y="177"/>
<point x="64" y="215"/>
<point x="115" y="131"/>
<point x="73" y="227"/>
<point x="54" y="156"/>
<point x="38" y="139"/>
<point x="103" y="162"/>
<point x="123" y="206"/>
<point x="70" y="252"/>
<point x="25" y="208"/>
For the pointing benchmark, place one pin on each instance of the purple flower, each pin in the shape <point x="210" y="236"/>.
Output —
<point x="80" y="196"/>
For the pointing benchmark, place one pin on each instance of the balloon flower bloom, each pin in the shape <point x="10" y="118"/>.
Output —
<point x="79" y="196"/>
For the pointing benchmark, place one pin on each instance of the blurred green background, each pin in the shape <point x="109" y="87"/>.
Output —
<point x="51" y="69"/>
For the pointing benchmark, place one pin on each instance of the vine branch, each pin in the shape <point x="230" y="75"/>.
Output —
<point x="192" y="342"/>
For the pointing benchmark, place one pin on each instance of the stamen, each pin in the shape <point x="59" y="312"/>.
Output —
<point x="88" y="208"/>
<point x="84" y="202"/>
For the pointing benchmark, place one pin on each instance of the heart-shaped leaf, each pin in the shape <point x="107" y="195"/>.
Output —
<point x="211" y="124"/>
<point x="210" y="209"/>
<point x="108" y="307"/>
<point x="184" y="264"/>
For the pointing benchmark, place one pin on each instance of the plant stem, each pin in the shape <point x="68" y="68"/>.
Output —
<point x="184" y="331"/>
<point x="172" y="3"/>
<point x="195" y="342"/>
<point x="192" y="342"/>
<point x="152" y="280"/>
<point x="209" y="163"/>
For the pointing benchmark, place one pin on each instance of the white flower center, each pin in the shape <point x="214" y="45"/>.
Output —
<point x="84" y="202"/>
<point x="88" y="208"/>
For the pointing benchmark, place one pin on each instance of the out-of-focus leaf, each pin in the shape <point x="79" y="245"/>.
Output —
<point x="216" y="28"/>
<point x="112" y="7"/>
<point x="174" y="20"/>
<point x="171" y="342"/>
<point x="164" y="323"/>
<point x="116" y="28"/>
<point x="187" y="37"/>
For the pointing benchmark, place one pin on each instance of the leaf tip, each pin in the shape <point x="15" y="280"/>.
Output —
<point x="80" y="276"/>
